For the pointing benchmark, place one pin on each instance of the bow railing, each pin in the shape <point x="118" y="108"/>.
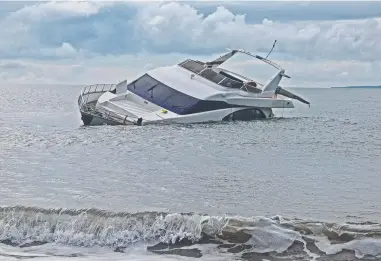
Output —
<point x="83" y="98"/>
<point x="89" y="106"/>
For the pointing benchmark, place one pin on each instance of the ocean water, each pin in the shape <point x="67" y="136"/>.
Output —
<point x="303" y="186"/>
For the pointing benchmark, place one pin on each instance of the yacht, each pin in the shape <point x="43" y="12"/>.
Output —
<point x="191" y="91"/>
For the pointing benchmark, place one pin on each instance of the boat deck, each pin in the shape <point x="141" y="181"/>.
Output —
<point x="132" y="107"/>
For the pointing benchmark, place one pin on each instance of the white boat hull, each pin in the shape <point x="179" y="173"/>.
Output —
<point x="185" y="93"/>
<point x="124" y="111"/>
<point x="204" y="117"/>
<point x="127" y="108"/>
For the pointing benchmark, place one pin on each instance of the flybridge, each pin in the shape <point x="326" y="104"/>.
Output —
<point x="214" y="72"/>
<point x="275" y="65"/>
<point x="221" y="78"/>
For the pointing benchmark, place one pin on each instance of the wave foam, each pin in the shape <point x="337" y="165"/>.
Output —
<point x="22" y="226"/>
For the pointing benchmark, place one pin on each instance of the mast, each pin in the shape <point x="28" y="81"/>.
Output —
<point x="271" y="49"/>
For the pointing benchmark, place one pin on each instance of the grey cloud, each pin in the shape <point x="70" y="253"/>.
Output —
<point x="183" y="29"/>
<point x="105" y="30"/>
<point x="11" y="65"/>
<point x="60" y="31"/>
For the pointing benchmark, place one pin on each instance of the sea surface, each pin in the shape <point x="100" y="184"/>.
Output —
<point x="305" y="185"/>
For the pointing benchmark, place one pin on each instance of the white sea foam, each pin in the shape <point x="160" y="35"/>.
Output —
<point x="95" y="234"/>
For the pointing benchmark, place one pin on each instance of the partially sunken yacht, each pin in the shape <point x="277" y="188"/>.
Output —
<point x="189" y="92"/>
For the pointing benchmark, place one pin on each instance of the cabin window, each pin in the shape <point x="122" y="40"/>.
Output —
<point x="180" y="102"/>
<point x="144" y="83"/>
<point x="212" y="75"/>
<point x="160" y="92"/>
<point x="230" y="83"/>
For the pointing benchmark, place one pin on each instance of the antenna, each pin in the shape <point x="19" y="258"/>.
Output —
<point x="271" y="49"/>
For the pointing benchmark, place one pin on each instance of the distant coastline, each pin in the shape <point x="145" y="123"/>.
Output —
<point x="363" y="87"/>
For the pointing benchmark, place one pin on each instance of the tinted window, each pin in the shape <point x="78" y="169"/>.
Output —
<point x="161" y="92"/>
<point x="180" y="101"/>
<point x="231" y="83"/>
<point x="161" y="95"/>
<point x="143" y="83"/>
<point x="212" y="75"/>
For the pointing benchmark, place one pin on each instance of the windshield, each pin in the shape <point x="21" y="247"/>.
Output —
<point x="249" y="67"/>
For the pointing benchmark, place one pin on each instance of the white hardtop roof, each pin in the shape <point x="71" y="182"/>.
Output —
<point x="180" y="79"/>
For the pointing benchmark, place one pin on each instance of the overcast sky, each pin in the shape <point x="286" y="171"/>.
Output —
<point x="320" y="44"/>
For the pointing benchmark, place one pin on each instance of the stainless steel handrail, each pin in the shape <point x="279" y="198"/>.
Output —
<point x="100" y="88"/>
<point x="90" y="89"/>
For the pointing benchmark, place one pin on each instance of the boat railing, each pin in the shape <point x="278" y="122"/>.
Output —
<point x="83" y="98"/>
<point x="88" y="107"/>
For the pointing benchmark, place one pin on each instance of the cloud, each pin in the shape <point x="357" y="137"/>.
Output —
<point x="96" y="27"/>
<point x="57" y="10"/>
<point x="121" y="28"/>
<point x="176" y="26"/>
<point x="77" y="41"/>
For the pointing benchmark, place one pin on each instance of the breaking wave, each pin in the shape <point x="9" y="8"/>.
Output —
<point x="27" y="226"/>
